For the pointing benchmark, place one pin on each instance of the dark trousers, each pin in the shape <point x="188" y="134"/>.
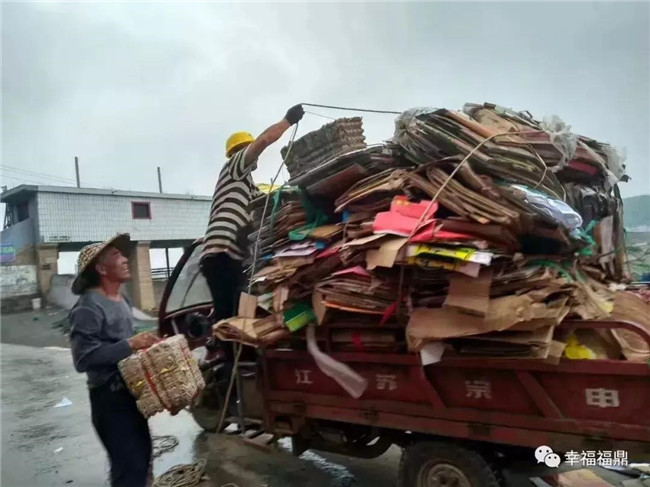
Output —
<point x="123" y="431"/>
<point x="224" y="277"/>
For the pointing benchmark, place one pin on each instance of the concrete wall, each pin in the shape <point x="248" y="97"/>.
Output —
<point x="93" y="217"/>
<point x="47" y="259"/>
<point x="26" y="255"/>
<point x="19" y="235"/>
<point x="33" y="216"/>
<point x="61" y="292"/>
<point x="18" y="280"/>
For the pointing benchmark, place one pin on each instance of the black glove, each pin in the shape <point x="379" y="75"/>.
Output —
<point x="295" y="114"/>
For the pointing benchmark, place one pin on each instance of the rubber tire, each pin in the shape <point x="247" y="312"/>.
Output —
<point x="472" y="464"/>
<point x="208" y="418"/>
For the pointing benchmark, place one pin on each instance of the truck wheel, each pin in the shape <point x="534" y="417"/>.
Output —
<point x="207" y="408"/>
<point x="207" y="417"/>
<point x="440" y="464"/>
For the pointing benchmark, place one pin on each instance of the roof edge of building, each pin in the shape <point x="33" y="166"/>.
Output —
<point x="12" y="193"/>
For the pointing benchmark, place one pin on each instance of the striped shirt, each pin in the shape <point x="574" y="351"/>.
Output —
<point x="229" y="215"/>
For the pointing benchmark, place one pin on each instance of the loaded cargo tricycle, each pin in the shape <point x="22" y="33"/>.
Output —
<point x="459" y="421"/>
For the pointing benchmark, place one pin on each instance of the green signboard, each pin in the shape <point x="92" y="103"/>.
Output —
<point x="7" y="253"/>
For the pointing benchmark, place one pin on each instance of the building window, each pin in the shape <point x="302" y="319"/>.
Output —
<point x="141" y="211"/>
<point x="22" y="211"/>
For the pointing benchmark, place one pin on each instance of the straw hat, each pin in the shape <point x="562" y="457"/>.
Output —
<point x="89" y="254"/>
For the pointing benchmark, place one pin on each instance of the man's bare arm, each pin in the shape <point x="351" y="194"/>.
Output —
<point x="265" y="139"/>
<point x="273" y="133"/>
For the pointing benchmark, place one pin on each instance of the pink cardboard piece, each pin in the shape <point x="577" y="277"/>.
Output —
<point x="356" y="270"/>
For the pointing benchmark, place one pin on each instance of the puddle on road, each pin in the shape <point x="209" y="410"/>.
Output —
<point x="230" y="460"/>
<point x="184" y="429"/>
<point x="340" y="475"/>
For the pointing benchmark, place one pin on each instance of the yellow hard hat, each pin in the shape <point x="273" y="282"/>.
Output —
<point x="236" y="140"/>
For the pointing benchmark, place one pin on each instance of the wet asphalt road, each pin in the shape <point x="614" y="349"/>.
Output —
<point x="47" y="446"/>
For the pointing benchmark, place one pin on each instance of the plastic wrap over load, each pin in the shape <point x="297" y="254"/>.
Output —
<point x="561" y="137"/>
<point x="404" y="120"/>
<point x="616" y="162"/>
<point x="553" y="208"/>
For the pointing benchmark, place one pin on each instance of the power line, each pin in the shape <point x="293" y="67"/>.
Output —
<point x="21" y="177"/>
<point x="24" y="179"/>
<point x="32" y="173"/>
<point x="27" y="171"/>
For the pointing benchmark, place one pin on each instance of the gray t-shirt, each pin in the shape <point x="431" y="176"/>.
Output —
<point x="99" y="332"/>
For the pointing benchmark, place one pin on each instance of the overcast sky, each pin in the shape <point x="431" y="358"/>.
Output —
<point x="131" y="86"/>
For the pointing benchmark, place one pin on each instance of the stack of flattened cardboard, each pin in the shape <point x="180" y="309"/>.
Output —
<point x="336" y="175"/>
<point x="440" y="133"/>
<point x="629" y="306"/>
<point x="334" y="139"/>
<point x="281" y="214"/>
<point x="356" y="289"/>
<point x="523" y="234"/>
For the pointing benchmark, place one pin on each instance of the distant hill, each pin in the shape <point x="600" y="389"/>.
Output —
<point x="636" y="213"/>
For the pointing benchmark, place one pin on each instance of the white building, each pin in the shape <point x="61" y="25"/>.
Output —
<point x="40" y="221"/>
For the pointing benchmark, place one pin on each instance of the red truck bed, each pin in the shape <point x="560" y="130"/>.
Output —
<point x="576" y="405"/>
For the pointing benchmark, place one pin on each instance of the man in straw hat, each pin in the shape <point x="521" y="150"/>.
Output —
<point x="101" y="336"/>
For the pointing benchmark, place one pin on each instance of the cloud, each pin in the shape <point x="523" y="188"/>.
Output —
<point x="131" y="86"/>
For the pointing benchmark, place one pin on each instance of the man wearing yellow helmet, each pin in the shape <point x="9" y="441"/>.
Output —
<point x="224" y="245"/>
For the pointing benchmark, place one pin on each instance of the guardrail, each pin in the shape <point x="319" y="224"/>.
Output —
<point x="160" y="274"/>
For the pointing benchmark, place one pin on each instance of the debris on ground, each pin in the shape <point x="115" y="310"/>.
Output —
<point x="163" y="444"/>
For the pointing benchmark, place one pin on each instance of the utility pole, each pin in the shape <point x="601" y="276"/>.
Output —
<point x="76" y="170"/>
<point x="166" y="248"/>
<point x="159" y="181"/>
